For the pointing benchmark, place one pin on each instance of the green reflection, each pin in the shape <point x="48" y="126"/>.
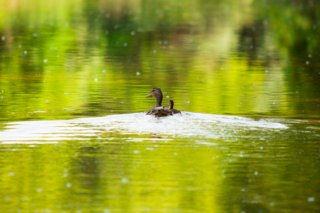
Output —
<point x="295" y="29"/>
<point x="97" y="176"/>
<point x="113" y="53"/>
<point x="117" y="173"/>
<point x="77" y="58"/>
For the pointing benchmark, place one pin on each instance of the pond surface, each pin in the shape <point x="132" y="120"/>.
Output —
<point x="74" y="136"/>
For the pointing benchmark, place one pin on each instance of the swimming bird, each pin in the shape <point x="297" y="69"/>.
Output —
<point x="174" y="111"/>
<point x="158" y="110"/>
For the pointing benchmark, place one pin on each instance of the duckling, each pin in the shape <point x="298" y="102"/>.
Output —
<point x="158" y="110"/>
<point x="174" y="111"/>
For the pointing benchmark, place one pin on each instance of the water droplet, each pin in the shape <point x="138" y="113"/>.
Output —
<point x="124" y="180"/>
<point x="35" y="34"/>
<point x="138" y="73"/>
<point x="3" y="38"/>
<point x="125" y="44"/>
<point x="25" y="52"/>
<point x="68" y="185"/>
<point x="307" y="62"/>
<point x="39" y="190"/>
<point x="45" y="60"/>
<point x="133" y="33"/>
<point x="11" y="174"/>
<point x="309" y="56"/>
<point x="104" y="71"/>
<point x="311" y="199"/>
<point x="136" y="151"/>
<point x="96" y="80"/>
<point x="241" y="154"/>
<point x="106" y="211"/>
<point x="256" y="173"/>
<point x="39" y="111"/>
<point x="67" y="109"/>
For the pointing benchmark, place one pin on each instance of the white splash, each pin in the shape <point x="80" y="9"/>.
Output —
<point x="185" y="125"/>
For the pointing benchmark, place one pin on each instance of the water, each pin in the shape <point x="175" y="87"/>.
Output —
<point x="74" y="136"/>
<point x="190" y="162"/>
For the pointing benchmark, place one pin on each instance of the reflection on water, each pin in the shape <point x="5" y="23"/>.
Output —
<point x="64" y="61"/>
<point x="210" y="57"/>
<point x="259" y="167"/>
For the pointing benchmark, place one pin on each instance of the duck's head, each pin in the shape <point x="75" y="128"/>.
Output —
<point x="157" y="94"/>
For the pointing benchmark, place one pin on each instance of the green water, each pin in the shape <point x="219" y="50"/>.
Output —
<point x="63" y="60"/>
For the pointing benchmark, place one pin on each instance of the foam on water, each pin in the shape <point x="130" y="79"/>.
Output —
<point x="185" y="125"/>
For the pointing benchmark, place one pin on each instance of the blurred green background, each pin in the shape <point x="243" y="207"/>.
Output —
<point x="64" y="59"/>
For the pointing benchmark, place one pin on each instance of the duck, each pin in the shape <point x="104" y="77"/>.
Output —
<point x="158" y="110"/>
<point x="171" y="104"/>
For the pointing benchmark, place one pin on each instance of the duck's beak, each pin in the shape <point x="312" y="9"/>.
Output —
<point x="150" y="95"/>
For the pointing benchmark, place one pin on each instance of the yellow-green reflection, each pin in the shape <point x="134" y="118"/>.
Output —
<point x="122" y="174"/>
<point x="80" y="58"/>
<point x="97" y="176"/>
<point x="72" y="58"/>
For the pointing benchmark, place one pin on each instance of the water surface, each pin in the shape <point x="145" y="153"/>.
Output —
<point x="73" y="80"/>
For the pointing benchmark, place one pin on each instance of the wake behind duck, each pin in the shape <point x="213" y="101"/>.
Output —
<point x="187" y="125"/>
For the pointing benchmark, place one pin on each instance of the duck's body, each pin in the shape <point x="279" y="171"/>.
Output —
<point x="158" y="110"/>
<point x="174" y="111"/>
